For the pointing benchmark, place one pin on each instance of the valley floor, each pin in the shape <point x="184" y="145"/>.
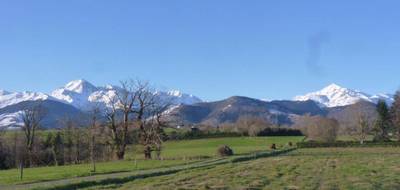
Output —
<point x="319" y="168"/>
<point x="329" y="168"/>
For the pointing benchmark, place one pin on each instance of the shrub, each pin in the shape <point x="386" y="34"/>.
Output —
<point x="225" y="151"/>
<point x="318" y="128"/>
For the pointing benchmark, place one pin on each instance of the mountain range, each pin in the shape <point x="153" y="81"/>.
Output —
<point x="77" y="98"/>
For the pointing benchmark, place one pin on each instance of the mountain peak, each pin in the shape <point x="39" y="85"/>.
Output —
<point x="333" y="86"/>
<point x="334" y="95"/>
<point x="80" y="86"/>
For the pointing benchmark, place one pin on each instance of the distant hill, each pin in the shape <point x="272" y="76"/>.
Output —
<point x="55" y="112"/>
<point x="229" y="110"/>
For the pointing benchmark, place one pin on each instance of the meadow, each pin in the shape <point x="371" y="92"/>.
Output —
<point x="321" y="168"/>
<point x="174" y="153"/>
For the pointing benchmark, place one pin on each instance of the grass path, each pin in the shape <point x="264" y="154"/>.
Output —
<point x="124" y="177"/>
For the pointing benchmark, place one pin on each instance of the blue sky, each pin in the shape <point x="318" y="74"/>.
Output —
<point x="211" y="48"/>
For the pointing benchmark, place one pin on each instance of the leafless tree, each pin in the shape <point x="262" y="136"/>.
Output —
<point x="121" y="102"/>
<point x="357" y="124"/>
<point x="149" y="112"/>
<point x="141" y="109"/>
<point x="94" y="125"/>
<point x="114" y="126"/>
<point x="126" y="98"/>
<point x="153" y="132"/>
<point x="32" y="118"/>
<point x="363" y="129"/>
<point x="318" y="128"/>
<point x="252" y="125"/>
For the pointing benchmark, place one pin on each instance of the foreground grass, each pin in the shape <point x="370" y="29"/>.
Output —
<point x="61" y="172"/>
<point x="330" y="168"/>
<point x="175" y="153"/>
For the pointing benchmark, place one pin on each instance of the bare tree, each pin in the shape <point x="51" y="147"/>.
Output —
<point x="94" y="124"/>
<point x="113" y="125"/>
<point x="251" y="125"/>
<point x="121" y="101"/>
<point x="140" y="107"/>
<point x="154" y="127"/>
<point x="32" y="118"/>
<point x="126" y="99"/>
<point x="363" y="128"/>
<point x="357" y="124"/>
<point x="318" y="128"/>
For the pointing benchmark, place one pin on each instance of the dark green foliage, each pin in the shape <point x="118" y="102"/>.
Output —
<point x="199" y="134"/>
<point x="202" y="134"/>
<point x="395" y="114"/>
<point x="382" y="124"/>
<point x="280" y="131"/>
<point x="314" y="144"/>
<point x="225" y="151"/>
<point x="5" y="157"/>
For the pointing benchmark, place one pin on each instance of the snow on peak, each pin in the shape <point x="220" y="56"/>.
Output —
<point x="176" y="97"/>
<point x="75" y="93"/>
<point x="332" y="87"/>
<point x="83" y="95"/>
<point x="335" y="95"/>
<point x="80" y="86"/>
<point x="10" y="98"/>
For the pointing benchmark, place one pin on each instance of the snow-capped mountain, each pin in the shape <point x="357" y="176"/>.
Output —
<point x="11" y="119"/>
<point x="176" y="97"/>
<point x="75" y="96"/>
<point x="75" y="93"/>
<point x="83" y="95"/>
<point x="335" y="95"/>
<point x="10" y="98"/>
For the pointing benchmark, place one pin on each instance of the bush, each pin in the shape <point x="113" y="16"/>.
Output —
<point x="225" y="151"/>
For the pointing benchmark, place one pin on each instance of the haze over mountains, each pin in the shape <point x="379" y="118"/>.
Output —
<point x="79" y="96"/>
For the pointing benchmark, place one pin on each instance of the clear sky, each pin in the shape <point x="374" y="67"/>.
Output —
<point x="272" y="49"/>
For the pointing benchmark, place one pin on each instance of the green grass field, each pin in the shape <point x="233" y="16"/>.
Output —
<point x="329" y="168"/>
<point x="175" y="153"/>
<point x="207" y="147"/>
<point x="61" y="172"/>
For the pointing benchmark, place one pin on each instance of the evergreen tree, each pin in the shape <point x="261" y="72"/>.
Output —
<point x="382" y="124"/>
<point x="395" y="114"/>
